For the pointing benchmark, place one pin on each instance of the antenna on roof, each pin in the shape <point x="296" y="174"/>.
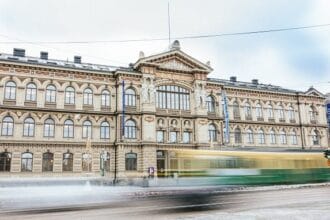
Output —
<point x="169" y="23"/>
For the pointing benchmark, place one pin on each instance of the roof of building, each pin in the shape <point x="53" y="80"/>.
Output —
<point x="60" y="63"/>
<point x="109" y="69"/>
<point x="254" y="86"/>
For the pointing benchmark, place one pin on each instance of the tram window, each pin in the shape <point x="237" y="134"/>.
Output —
<point x="231" y="163"/>
<point x="174" y="164"/>
<point x="187" y="164"/>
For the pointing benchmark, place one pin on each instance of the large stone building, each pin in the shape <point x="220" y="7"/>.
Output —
<point x="59" y="117"/>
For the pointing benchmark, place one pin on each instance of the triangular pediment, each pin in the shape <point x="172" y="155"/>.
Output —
<point x="313" y="92"/>
<point x="174" y="60"/>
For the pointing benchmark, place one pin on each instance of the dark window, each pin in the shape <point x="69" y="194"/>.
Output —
<point x="26" y="162"/>
<point x="131" y="161"/>
<point x="68" y="130"/>
<point x="5" y="162"/>
<point x="172" y="97"/>
<point x="67" y="162"/>
<point x="236" y="112"/>
<point x="210" y="104"/>
<point x="105" y="130"/>
<point x="69" y="95"/>
<point x="51" y="94"/>
<point x="212" y="133"/>
<point x="238" y="136"/>
<point x="10" y="90"/>
<point x="7" y="126"/>
<point x="31" y="92"/>
<point x="87" y="129"/>
<point x="88" y="97"/>
<point x="49" y="128"/>
<point x="28" y="127"/>
<point x="47" y="162"/>
<point x="105" y="98"/>
<point x="130" y="129"/>
<point x="130" y="97"/>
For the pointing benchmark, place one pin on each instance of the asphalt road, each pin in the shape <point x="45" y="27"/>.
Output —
<point x="308" y="202"/>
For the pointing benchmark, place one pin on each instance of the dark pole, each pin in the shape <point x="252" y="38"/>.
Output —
<point x="300" y="123"/>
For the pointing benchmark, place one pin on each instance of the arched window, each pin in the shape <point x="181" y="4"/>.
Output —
<point x="238" y="136"/>
<point x="258" y="111"/>
<point x="69" y="95"/>
<point x="249" y="136"/>
<point x="68" y="129"/>
<point x="105" y="130"/>
<point x="315" y="137"/>
<point x="47" y="162"/>
<point x="272" y="136"/>
<point x="105" y="98"/>
<point x="49" y="128"/>
<point x="261" y="136"/>
<point x="51" y="94"/>
<point x="131" y="161"/>
<point x="282" y="137"/>
<point x="10" y="90"/>
<point x="130" y="97"/>
<point x="67" y="164"/>
<point x="26" y="162"/>
<point x="291" y="113"/>
<point x="293" y="138"/>
<point x="130" y="129"/>
<point x="28" y="127"/>
<point x="270" y="112"/>
<point x="172" y="97"/>
<point x="236" y="112"/>
<point x="7" y="126"/>
<point x="281" y="112"/>
<point x="247" y="110"/>
<point x="86" y="162"/>
<point x="212" y="132"/>
<point x="87" y="129"/>
<point x="106" y="161"/>
<point x="88" y="96"/>
<point x="31" y="92"/>
<point x="210" y="104"/>
<point x="312" y="113"/>
<point x="5" y="162"/>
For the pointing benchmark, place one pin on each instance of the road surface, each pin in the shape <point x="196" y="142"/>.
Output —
<point x="306" y="202"/>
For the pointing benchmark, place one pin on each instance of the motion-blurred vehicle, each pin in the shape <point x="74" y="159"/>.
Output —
<point x="243" y="168"/>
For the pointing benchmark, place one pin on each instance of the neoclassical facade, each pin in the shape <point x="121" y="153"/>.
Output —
<point x="72" y="118"/>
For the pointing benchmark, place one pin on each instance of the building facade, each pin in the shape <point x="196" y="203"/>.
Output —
<point x="62" y="118"/>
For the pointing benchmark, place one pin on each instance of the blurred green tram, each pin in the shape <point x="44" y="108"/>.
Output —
<point x="243" y="168"/>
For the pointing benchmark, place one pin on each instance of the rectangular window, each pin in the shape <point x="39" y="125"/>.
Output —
<point x="173" y="136"/>
<point x="186" y="137"/>
<point x="160" y="136"/>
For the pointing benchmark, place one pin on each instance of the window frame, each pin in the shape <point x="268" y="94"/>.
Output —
<point x="29" y="127"/>
<point x="7" y="127"/>
<point x="31" y="92"/>
<point x="50" y="95"/>
<point x="10" y="91"/>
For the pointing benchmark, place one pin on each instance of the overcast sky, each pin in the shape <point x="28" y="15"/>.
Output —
<point x="293" y="59"/>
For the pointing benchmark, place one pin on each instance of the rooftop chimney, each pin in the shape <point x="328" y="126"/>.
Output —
<point x="19" y="52"/>
<point x="255" y="82"/>
<point x="233" y="79"/>
<point x="77" y="59"/>
<point x="44" y="55"/>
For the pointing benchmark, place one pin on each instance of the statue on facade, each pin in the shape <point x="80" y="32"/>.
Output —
<point x="200" y="96"/>
<point x="148" y="91"/>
